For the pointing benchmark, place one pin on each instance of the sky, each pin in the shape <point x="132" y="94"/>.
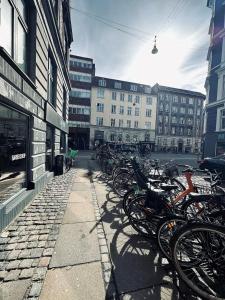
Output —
<point x="119" y="36"/>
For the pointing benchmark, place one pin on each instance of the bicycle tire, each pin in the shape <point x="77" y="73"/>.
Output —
<point x="200" y="286"/>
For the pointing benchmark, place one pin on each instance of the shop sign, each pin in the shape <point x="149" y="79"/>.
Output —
<point x="18" y="156"/>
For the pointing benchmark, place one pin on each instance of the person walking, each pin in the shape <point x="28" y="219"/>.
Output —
<point x="70" y="156"/>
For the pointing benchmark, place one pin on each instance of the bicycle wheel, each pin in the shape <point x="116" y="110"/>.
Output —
<point x="142" y="219"/>
<point x="122" y="183"/>
<point x="198" y="253"/>
<point x="165" y="230"/>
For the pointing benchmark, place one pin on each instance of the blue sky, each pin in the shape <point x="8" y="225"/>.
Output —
<point x="182" y="39"/>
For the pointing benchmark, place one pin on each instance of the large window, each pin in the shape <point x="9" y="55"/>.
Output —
<point x="14" y="30"/>
<point x="79" y="93"/>
<point x="13" y="151"/>
<point x="49" y="148"/>
<point x="51" y="81"/>
<point x="222" y="119"/>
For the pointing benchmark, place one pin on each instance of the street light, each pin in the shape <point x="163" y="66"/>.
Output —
<point x="154" y="50"/>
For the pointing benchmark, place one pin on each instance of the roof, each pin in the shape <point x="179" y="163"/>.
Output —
<point x="177" y="91"/>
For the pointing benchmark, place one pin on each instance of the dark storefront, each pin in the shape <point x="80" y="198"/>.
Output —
<point x="79" y="138"/>
<point x="13" y="151"/>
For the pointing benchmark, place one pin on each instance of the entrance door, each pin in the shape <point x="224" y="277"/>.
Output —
<point x="180" y="146"/>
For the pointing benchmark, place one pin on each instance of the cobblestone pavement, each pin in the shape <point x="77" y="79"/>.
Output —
<point x="27" y="244"/>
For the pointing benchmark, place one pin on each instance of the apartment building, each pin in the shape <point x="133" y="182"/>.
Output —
<point x="81" y="70"/>
<point x="179" y="119"/>
<point x="214" y="129"/>
<point x="35" y="37"/>
<point x="121" y="111"/>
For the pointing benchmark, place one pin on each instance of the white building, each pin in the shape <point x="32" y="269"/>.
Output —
<point x="122" y="111"/>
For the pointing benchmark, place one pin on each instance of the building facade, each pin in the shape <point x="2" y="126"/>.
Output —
<point x="121" y="111"/>
<point x="179" y="120"/>
<point x="35" y="37"/>
<point x="214" y="129"/>
<point x="81" y="71"/>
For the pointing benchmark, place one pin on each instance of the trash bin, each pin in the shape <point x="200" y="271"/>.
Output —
<point x="59" y="164"/>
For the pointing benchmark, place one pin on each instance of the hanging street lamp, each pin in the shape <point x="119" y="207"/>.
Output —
<point x="154" y="50"/>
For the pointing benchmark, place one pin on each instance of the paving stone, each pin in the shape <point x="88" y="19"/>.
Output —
<point x="26" y="273"/>
<point x="13" y="240"/>
<point x="104" y="249"/>
<point x="25" y="253"/>
<point x="39" y="273"/>
<point x="48" y="252"/>
<point x="4" y="255"/>
<point x="13" y="265"/>
<point x="43" y="237"/>
<point x="33" y="238"/>
<point x="105" y="257"/>
<point x="21" y="246"/>
<point x="26" y="263"/>
<point x="44" y="261"/>
<point x="3" y="274"/>
<point x="35" y="289"/>
<point x="3" y="240"/>
<point x="14" y="290"/>
<point x="41" y="244"/>
<point x="32" y="244"/>
<point x="50" y="244"/>
<point x="35" y="262"/>
<point x="36" y="252"/>
<point x="12" y="275"/>
<point x="10" y="246"/>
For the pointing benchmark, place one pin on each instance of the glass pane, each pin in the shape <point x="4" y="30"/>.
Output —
<point x="6" y="26"/>
<point x="13" y="154"/>
<point x="49" y="148"/>
<point x="22" y="9"/>
<point x="21" y="54"/>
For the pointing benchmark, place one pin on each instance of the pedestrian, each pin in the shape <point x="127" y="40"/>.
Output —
<point x="70" y="156"/>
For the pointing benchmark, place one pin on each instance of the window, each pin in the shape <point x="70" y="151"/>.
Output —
<point x="81" y="63"/>
<point x="100" y="107"/>
<point x="112" y="137"/>
<point x="135" y="124"/>
<point x="137" y="99"/>
<point x="191" y="101"/>
<point x="129" y="110"/>
<point x="147" y="90"/>
<point x="166" y="130"/>
<point x="80" y="77"/>
<point x="137" y="111"/>
<point x="99" y="121"/>
<point x="190" y="111"/>
<point x="117" y="85"/>
<point x="51" y="81"/>
<point x="161" y="107"/>
<point x="183" y="100"/>
<point x="62" y="142"/>
<point x="13" y="151"/>
<point x="173" y="130"/>
<point x="160" y="129"/>
<point x="182" y="110"/>
<point x="127" y="138"/>
<point x="175" y="99"/>
<point x="198" y="112"/>
<point x="80" y="110"/>
<point x="174" y="109"/>
<point x="113" y="122"/>
<point x="64" y="103"/>
<point x="189" y="121"/>
<point x="160" y="118"/>
<point x="147" y="137"/>
<point x="129" y="98"/>
<point x="149" y="100"/>
<point x="174" y="120"/>
<point x="189" y="131"/>
<point x="121" y="97"/>
<point x="133" y="87"/>
<point x="222" y="119"/>
<point x="129" y="123"/>
<point x="182" y="121"/>
<point x="113" y="109"/>
<point x="148" y="125"/>
<point x="148" y="112"/>
<point x="166" y="119"/>
<point x="102" y="82"/>
<point x="167" y="108"/>
<point x="114" y="95"/>
<point x="79" y="93"/>
<point x="14" y="31"/>
<point x="121" y="110"/>
<point x="181" y="131"/>
<point x="120" y="123"/>
<point x="50" y="132"/>
<point x="100" y="93"/>
<point x="172" y="142"/>
<point x="188" y="142"/>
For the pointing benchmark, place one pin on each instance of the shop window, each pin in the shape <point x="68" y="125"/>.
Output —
<point x="62" y="142"/>
<point x="49" y="148"/>
<point x="13" y="151"/>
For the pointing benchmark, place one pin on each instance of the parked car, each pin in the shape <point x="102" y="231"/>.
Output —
<point x="216" y="163"/>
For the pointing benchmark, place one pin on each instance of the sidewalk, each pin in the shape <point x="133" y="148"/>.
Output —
<point x="73" y="242"/>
